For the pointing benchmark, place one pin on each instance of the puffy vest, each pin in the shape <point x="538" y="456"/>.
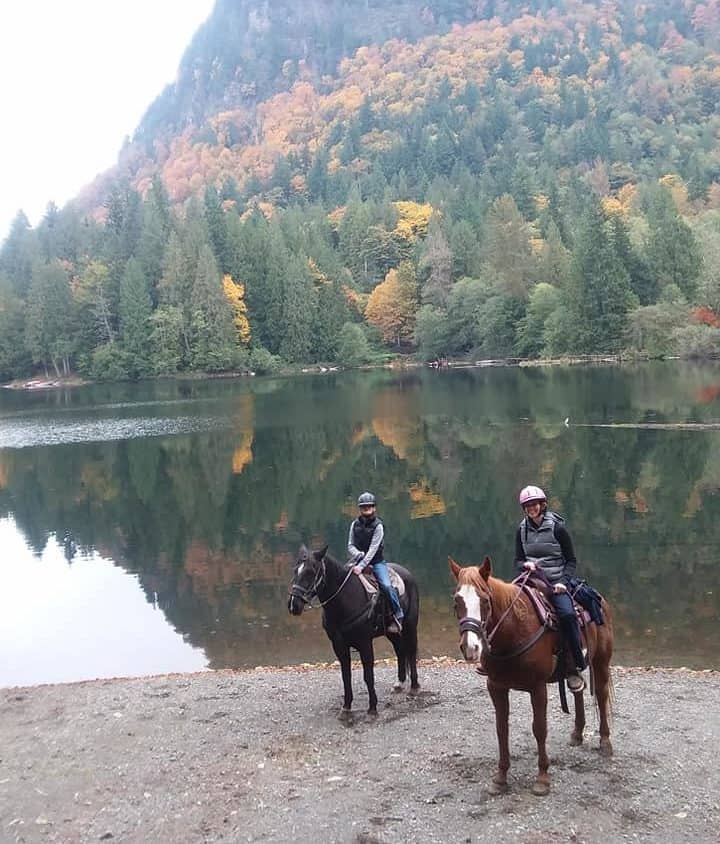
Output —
<point x="541" y="546"/>
<point x="362" y="537"/>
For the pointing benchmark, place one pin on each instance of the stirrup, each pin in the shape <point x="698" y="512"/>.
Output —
<point x="395" y="626"/>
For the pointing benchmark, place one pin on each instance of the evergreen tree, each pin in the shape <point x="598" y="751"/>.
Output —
<point x="50" y="318"/>
<point x="135" y="310"/>
<point x="298" y="306"/>
<point x="14" y="356"/>
<point x="153" y="238"/>
<point x="643" y="282"/>
<point x="175" y="288"/>
<point x="18" y="253"/>
<point x="213" y="334"/>
<point x="330" y="314"/>
<point x="671" y="249"/>
<point x="599" y="291"/>
<point x="167" y="339"/>
<point x="217" y="228"/>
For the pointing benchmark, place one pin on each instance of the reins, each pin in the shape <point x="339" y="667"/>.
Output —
<point x="306" y="595"/>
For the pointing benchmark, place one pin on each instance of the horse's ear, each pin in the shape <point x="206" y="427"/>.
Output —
<point x="320" y="555"/>
<point x="454" y="568"/>
<point x="303" y="552"/>
<point x="486" y="567"/>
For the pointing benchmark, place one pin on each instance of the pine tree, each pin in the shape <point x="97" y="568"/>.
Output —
<point x="50" y="329"/>
<point x="135" y="310"/>
<point x="212" y="331"/>
<point x="671" y="249"/>
<point x="599" y="291"/>
<point x="14" y="356"/>
<point x="298" y="306"/>
<point x="216" y="221"/>
<point x="18" y="253"/>
<point x="153" y="239"/>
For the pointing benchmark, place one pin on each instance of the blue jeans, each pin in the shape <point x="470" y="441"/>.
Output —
<point x="382" y="575"/>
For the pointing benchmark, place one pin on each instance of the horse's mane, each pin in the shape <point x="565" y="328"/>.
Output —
<point x="332" y="560"/>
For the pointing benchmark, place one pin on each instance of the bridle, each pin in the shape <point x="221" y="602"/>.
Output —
<point x="468" y="624"/>
<point x="307" y="594"/>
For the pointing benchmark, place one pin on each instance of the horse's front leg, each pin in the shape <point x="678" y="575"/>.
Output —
<point x="501" y="701"/>
<point x="538" y="697"/>
<point x="342" y="652"/>
<point x="367" y="655"/>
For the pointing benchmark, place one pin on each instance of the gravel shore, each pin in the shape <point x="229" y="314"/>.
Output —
<point x="261" y="756"/>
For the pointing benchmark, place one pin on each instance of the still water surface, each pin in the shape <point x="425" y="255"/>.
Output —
<point x="152" y="527"/>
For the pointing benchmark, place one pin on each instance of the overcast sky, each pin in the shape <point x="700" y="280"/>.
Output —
<point x="76" y="76"/>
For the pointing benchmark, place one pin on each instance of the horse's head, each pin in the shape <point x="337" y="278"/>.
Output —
<point x="473" y="606"/>
<point x="307" y="576"/>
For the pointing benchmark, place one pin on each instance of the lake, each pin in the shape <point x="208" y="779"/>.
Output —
<point x="149" y="528"/>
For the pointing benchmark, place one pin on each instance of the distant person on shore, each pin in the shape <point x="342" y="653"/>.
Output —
<point x="543" y="544"/>
<point x="365" y="548"/>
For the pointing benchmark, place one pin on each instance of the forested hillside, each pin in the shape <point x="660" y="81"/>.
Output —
<point x="331" y="181"/>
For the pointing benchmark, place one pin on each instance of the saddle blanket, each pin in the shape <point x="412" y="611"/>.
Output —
<point x="367" y="578"/>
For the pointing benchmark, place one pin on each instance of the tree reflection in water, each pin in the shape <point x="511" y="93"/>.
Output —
<point x="209" y="520"/>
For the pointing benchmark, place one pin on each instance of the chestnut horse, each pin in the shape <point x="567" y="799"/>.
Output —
<point x="500" y="627"/>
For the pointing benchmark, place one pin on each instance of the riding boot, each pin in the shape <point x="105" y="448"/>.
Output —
<point x="571" y="632"/>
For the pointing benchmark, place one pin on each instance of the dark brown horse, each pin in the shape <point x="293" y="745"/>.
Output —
<point x="349" y="622"/>
<point x="500" y="629"/>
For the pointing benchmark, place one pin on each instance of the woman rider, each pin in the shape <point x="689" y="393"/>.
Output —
<point x="543" y="543"/>
<point x="365" y="547"/>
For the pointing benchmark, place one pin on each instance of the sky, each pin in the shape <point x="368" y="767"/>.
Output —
<point x="76" y="77"/>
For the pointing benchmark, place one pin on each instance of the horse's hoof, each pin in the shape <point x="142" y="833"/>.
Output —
<point x="345" y="715"/>
<point x="576" y="740"/>
<point x="372" y="713"/>
<point x="541" y="788"/>
<point x="398" y="687"/>
<point x="496" y="788"/>
<point x="606" y="748"/>
<point x="414" y="690"/>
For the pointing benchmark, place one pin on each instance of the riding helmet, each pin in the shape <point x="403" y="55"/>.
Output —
<point x="531" y="493"/>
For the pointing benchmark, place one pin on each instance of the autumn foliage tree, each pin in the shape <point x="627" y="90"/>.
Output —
<point x="393" y="305"/>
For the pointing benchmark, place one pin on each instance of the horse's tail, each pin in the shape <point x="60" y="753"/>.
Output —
<point x="410" y="626"/>
<point x="608" y="625"/>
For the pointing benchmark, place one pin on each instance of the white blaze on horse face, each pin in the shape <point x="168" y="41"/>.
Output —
<point x="300" y="569"/>
<point x="470" y="642"/>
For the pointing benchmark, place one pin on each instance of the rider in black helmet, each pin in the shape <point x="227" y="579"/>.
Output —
<point x="365" y="547"/>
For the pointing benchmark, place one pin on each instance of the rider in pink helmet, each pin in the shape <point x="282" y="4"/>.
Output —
<point x="543" y="544"/>
<point x="531" y="493"/>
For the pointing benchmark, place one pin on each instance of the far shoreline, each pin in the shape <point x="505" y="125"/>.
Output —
<point x="38" y="384"/>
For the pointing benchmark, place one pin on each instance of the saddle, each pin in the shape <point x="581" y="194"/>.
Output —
<point x="367" y="578"/>
<point x="379" y="609"/>
<point x="586" y="601"/>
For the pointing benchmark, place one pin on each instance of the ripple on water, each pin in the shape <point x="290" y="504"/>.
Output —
<point x="25" y="433"/>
